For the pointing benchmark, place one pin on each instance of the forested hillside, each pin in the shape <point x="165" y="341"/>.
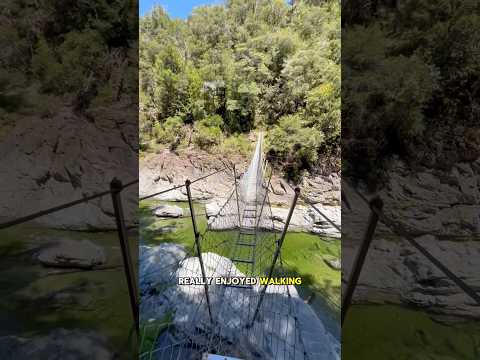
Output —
<point x="246" y="65"/>
<point x="59" y="53"/>
<point x="410" y="84"/>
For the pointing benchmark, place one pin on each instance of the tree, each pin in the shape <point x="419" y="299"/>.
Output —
<point x="233" y="68"/>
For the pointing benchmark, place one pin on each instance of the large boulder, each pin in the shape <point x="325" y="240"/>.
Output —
<point x="68" y="253"/>
<point x="169" y="211"/>
<point x="317" y="342"/>
<point x="298" y="222"/>
<point x="233" y="310"/>
<point x="214" y="265"/>
<point x="320" y="225"/>
<point x="212" y="208"/>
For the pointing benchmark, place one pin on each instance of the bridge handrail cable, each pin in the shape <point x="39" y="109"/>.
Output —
<point x="57" y="208"/>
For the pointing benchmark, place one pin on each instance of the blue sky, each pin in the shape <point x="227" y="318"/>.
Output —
<point x="175" y="8"/>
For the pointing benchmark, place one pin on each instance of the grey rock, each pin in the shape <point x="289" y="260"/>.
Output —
<point x="157" y="263"/>
<point x="212" y="208"/>
<point x="168" y="211"/>
<point x="66" y="157"/>
<point x="335" y="264"/>
<point x="304" y="218"/>
<point x="67" y="253"/>
<point x="231" y="306"/>
<point x="317" y="341"/>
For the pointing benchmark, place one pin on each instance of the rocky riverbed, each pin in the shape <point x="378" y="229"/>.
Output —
<point x="162" y="171"/>
<point x="190" y="320"/>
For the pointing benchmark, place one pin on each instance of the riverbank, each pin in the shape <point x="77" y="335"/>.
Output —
<point x="165" y="169"/>
<point x="43" y="304"/>
<point x="439" y="209"/>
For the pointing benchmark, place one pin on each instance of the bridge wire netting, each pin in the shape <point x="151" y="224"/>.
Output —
<point x="239" y="241"/>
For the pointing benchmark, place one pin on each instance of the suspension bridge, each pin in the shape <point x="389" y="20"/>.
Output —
<point x="238" y="321"/>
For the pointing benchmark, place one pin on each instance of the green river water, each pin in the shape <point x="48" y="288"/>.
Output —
<point x="98" y="300"/>
<point x="34" y="300"/>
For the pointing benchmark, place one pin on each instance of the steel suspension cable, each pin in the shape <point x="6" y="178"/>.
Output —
<point x="59" y="207"/>
<point x="181" y="185"/>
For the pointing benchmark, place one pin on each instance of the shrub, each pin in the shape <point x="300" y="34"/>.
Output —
<point x="293" y="145"/>
<point x="208" y="132"/>
<point x="171" y="131"/>
<point x="236" y="144"/>
<point x="323" y="110"/>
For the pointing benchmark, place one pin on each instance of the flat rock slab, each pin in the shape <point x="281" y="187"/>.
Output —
<point x="168" y="211"/>
<point x="60" y="344"/>
<point x="72" y="254"/>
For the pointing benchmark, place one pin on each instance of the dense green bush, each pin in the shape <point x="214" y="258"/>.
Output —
<point x="410" y="71"/>
<point x="67" y="52"/>
<point x="236" y="145"/>
<point x="245" y="65"/>
<point x="295" y="145"/>
<point x="170" y="132"/>
<point x="208" y="132"/>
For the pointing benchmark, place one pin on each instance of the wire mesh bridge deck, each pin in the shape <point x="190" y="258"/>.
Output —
<point x="246" y="321"/>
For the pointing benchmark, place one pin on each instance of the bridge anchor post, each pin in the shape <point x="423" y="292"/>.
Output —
<point x="198" y="247"/>
<point x="116" y="187"/>
<point x="376" y="206"/>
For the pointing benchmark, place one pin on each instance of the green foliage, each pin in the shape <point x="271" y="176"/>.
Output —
<point x="45" y="65"/>
<point x="295" y="144"/>
<point x="170" y="132"/>
<point x="250" y="64"/>
<point x="410" y="70"/>
<point x="80" y="54"/>
<point x="323" y="110"/>
<point x="70" y="50"/>
<point x="105" y="95"/>
<point x="208" y="132"/>
<point x="236" y="145"/>
<point x="12" y="96"/>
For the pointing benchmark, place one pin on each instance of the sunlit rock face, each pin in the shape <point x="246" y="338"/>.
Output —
<point x="168" y="211"/>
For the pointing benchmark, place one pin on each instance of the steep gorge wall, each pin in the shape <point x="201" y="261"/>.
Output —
<point x="53" y="160"/>
<point x="440" y="208"/>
